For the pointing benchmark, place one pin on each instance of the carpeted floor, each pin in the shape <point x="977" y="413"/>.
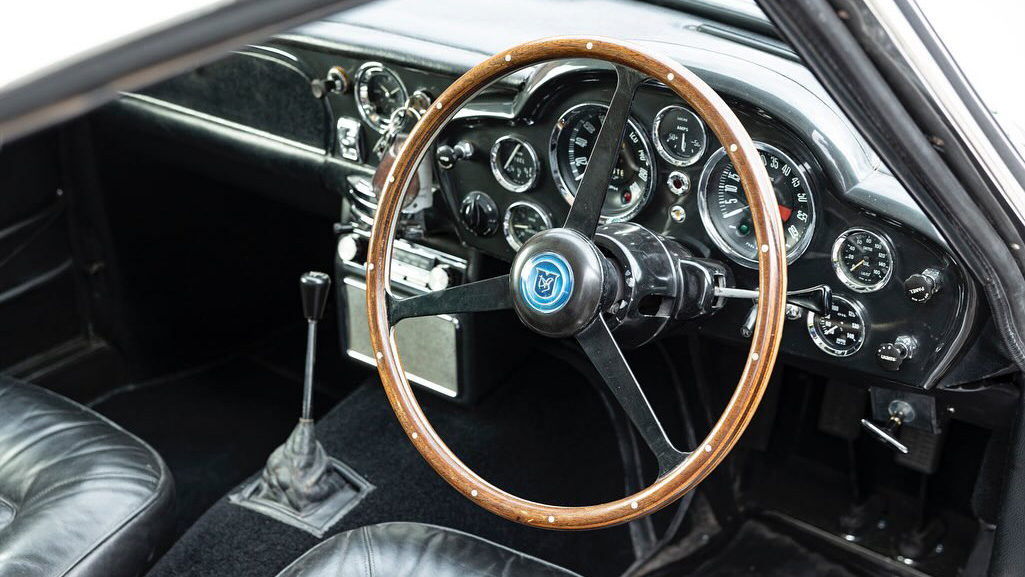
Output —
<point x="213" y="426"/>
<point x="544" y="439"/>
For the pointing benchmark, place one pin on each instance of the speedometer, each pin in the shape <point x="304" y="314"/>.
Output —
<point x="633" y="175"/>
<point x="727" y="216"/>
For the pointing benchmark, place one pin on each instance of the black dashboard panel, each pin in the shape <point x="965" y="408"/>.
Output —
<point x="933" y="326"/>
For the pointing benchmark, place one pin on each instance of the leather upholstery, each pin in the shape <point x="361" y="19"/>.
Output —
<point x="79" y="496"/>
<point x="416" y="550"/>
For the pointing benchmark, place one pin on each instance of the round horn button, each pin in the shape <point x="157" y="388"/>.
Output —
<point x="558" y="278"/>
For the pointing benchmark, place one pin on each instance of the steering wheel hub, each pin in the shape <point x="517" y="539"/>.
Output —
<point x="559" y="280"/>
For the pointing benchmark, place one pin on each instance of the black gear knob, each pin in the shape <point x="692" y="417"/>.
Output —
<point x="315" y="288"/>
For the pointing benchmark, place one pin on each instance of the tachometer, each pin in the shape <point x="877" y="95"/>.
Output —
<point x="840" y="333"/>
<point x="863" y="260"/>
<point x="523" y="220"/>
<point x="379" y="93"/>
<point x="633" y="178"/>
<point x="727" y="217"/>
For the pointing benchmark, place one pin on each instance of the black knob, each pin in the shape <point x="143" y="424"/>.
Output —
<point x="447" y="156"/>
<point x="892" y="355"/>
<point x="922" y="286"/>
<point x="315" y="288"/>
<point x="479" y="213"/>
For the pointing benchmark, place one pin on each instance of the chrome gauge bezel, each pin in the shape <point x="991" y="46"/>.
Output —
<point x="824" y="345"/>
<point x="841" y="271"/>
<point x="359" y="84"/>
<point x="706" y="173"/>
<point x="507" y="220"/>
<point x="560" y="183"/>
<point x="663" y="152"/>
<point x="497" y="171"/>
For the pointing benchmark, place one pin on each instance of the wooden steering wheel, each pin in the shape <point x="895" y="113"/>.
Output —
<point x="575" y="308"/>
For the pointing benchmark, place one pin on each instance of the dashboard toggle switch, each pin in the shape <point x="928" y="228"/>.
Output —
<point x="447" y="156"/>
<point x="892" y="355"/>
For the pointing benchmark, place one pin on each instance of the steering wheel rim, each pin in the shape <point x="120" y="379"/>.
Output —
<point x="633" y="64"/>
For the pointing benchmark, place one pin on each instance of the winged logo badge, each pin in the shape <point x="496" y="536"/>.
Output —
<point x="544" y="286"/>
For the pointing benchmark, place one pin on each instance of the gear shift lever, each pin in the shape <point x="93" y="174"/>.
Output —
<point x="315" y="288"/>
<point x="301" y="485"/>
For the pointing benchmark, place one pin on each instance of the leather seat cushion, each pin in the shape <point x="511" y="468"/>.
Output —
<point x="415" y="550"/>
<point x="79" y="496"/>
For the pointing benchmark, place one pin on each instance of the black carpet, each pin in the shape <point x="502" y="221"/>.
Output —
<point x="759" y="551"/>
<point x="213" y="427"/>
<point x="547" y="439"/>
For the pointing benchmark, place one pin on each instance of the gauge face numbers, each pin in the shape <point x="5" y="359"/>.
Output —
<point x="840" y="333"/>
<point x="523" y="220"/>
<point x="863" y="260"/>
<point x="633" y="177"/>
<point x="727" y="216"/>
<point x="679" y="135"/>
<point x="379" y="93"/>
<point x="514" y="163"/>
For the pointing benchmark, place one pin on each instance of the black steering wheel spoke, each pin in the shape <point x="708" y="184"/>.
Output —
<point x="599" y="345"/>
<point x="484" y="295"/>
<point x="594" y="184"/>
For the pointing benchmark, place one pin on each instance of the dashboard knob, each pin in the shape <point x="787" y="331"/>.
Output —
<point x="892" y="355"/>
<point x="922" y="286"/>
<point x="447" y="156"/>
<point x="479" y="213"/>
<point x="351" y="248"/>
<point x="440" y="278"/>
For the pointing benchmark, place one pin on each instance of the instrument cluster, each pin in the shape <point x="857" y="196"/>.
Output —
<point x="673" y="176"/>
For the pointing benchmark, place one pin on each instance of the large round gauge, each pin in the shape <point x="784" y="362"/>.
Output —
<point x="863" y="260"/>
<point x="679" y="135"/>
<point x="633" y="177"/>
<point x="840" y="333"/>
<point x="727" y="217"/>
<point x="514" y="163"/>
<point x="523" y="220"/>
<point x="379" y="93"/>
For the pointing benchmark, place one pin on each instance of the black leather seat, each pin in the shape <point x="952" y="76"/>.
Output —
<point x="79" y="496"/>
<point x="416" y="550"/>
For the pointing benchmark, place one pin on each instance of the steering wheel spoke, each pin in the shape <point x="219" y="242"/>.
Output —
<point x="484" y="295"/>
<point x="594" y="185"/>
<point x="605" y="354"/>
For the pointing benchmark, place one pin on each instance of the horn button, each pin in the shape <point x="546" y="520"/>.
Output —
<point x="559" y="281"/>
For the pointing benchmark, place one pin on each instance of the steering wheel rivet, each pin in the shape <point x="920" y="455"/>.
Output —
<point x="590" y="45"/>
<point x="370" y="266"/>
<point x="415" y="435"/>
<point x="671" y="76"/>
<point x="473" y="493"/>
<point x="733" y="148"/>
<point x="633" y="505"/>
<point x="551" y="519"/>
<point x="708" y="448"/>
<point x="438" y="105"/>
<point x="508" y="57"/>
<point x="754" y="356"/>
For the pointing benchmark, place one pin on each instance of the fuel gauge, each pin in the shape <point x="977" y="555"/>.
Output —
<point x="514" y="163"/>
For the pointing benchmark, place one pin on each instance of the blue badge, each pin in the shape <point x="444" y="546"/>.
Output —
<point x="546" y="282"/>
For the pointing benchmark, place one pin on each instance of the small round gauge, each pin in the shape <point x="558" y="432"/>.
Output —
<point x="514" y="163"/>
<point x="379" y="93"/>
<point x="632" y="179"/>
<point x="863" y="260"/>
<point x="523" y="220"/>
<point x="727" y="216"/>
<point x="840" y="333"/>
<point x="679" y="135"/>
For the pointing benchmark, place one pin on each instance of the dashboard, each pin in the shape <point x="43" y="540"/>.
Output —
<point x="321" y="97"/>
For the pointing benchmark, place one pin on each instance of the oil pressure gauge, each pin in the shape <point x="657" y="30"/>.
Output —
<point x="863" y="260"/>
<point x="523" y="220"/>
<point x="842" y="332"/>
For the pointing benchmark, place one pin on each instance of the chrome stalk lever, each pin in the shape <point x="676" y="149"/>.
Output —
<point x="900" y="413"/>
<point x="818" y="299"/>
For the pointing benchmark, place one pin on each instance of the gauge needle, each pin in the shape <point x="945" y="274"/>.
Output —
<point x="855" y="267"/>
<point x="831" y="330"/>
<point x="512" y="155"/>
<point x="735" y="212"/>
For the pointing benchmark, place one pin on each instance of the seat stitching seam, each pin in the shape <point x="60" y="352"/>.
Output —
<point x="73" y="480"/>
<point x="370" y="552"/>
